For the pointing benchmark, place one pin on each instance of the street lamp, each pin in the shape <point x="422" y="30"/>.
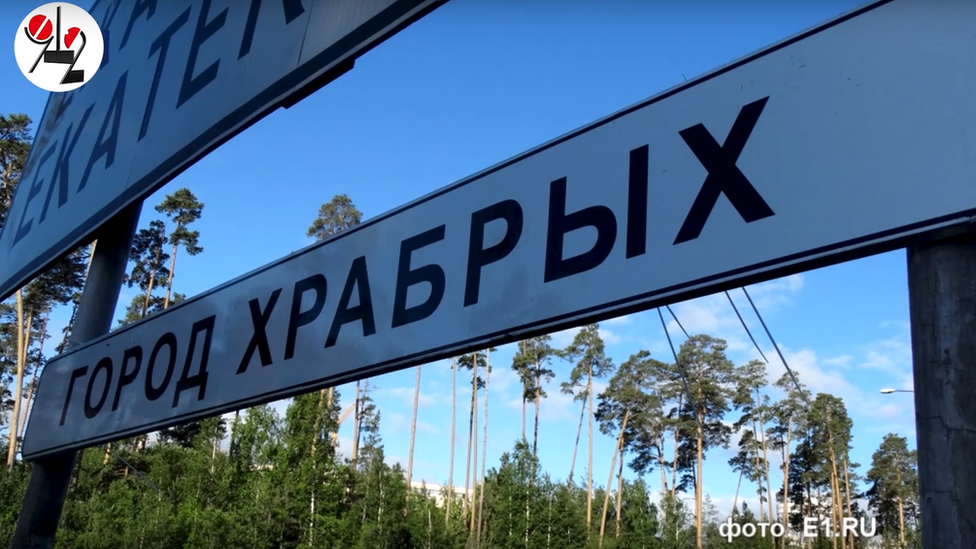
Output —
<point x="889" y="391"/>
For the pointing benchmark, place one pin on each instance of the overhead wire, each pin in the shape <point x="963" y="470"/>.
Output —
<point x="746" y="327"/>
<point x="134" y="470"/>
<point x="769" y="334"/>
<point x="681" y="369"/>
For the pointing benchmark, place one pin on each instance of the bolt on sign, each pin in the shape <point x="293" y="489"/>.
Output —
<point x="815" y="150"/>
<point x="177" y="78"/>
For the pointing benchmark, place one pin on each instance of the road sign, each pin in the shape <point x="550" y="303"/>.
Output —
<point x="177" y="79"/>
<point x="840" y="142"/>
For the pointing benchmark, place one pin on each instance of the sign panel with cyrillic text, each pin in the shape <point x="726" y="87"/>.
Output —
<point x="177" y="79"/>
<point x="801" y="155"/>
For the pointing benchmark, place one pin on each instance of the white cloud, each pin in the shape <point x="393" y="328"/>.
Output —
<point x="564" y="338"/>
<point x="405" y="396"/>
<point x="400" y="423"/>
<point x="842" y="360"/>
<point x="620" y="320"/>
<point x="609" y="337"/>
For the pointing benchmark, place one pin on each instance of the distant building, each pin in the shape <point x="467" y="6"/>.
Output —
<point x="437" y="491"/>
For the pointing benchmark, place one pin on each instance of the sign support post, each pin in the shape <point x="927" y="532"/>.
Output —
<point x="40" y="511"/>
<point x="942" y="305"/>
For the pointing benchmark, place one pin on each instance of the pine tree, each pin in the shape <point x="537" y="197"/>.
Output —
<point x="591" y="363"/>
<point x="149" y="261"/>
<point x="710" y="381"/>
<point x="894" y="486"/>
<point x="626" y="395"/>
<point x="337" y="215"/>
<point x="183" y="208"/>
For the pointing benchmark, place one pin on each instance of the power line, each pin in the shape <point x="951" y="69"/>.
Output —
<point x="675" y="317"/>
<point x="681" y="370"/>
<point x="775" y="346"/>
<point x="748" y="331"/>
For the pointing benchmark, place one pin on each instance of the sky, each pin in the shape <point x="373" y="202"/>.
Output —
<point x="477" y="82"/>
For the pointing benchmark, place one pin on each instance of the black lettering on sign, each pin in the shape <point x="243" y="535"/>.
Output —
<point x="723" y="175"/>
<point x="61" y="168"/>
<point x="166" y="340"/>
<point x="142" y="6"/>
<point x="478" y="256"/>
<point x="358" y="279"/>
<point x="91" y="410"/>
<point x="204" y="30"/>
<point x="259" y="338"/>
<point x="160" y="44"/>
<point x="126" y="377"/>
<point x="35" y="189"/>
<point x="600" y="218"/>
<point x="293" y="10"/>
<point x="431" y="274"/>
<point x="77" y="373"/>
<point x="299" y="318"/>
<point x="104" y="27"/>
<point x="106" y="147"/>
<point x="637" y="203"/>
<point x="187" y="381"/>
<point x="62" y="105"/>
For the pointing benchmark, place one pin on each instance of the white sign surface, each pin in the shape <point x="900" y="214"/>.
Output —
<point x="178" y="78"/>
<point x="840" y="142"/>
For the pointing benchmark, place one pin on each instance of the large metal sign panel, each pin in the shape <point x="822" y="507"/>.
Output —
<point x="178" y="78"/>
<point x="840" y="142"/>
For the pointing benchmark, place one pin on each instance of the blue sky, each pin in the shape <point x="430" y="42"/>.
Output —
<point x="477" y="82"/>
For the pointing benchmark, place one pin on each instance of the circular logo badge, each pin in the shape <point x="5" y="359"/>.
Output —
<point x="59" y="47"/>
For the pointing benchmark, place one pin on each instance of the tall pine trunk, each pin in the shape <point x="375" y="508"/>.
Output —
<point x="467" y="467"/>
<point x="538" y="402"/>
<point x="589" y="445"/>
<point x="579" y="429"/>
<point x="769" y="486"/>
<point x="699" y="485"/>
<point x="152" y="282"/>
<point x="169" y="279"/>
<point x="759" y="479"/>
<point x="674" y="464"/>
<point x="835" y="504"/>
<point x="355" y="428"/>
<point x="523" y="411"/>
<point x="786" y="481"/>
<point x="847" y="498"/>
<point x="613" y="465"/>
<point x="317" y="421"/>
<point x="620" y="491"/>
<point x="450" y="467"/>
<point x="735" y="498"/>
<point x="474" y="445"/>
<point x="33" y="383"/>
<point x="484" y="451"/>
<point x="901" y="506"/>
<point x="413" y="432"/>
<point x="23" y="342"/>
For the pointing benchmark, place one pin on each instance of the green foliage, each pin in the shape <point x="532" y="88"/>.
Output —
<point x="894" y="487"/>
<point x="183" y="208"/>
<point x="15" y="142"/>
<point x="335" y="216"/>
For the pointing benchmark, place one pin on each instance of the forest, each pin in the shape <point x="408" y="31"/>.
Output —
<point x="260" y="479"/>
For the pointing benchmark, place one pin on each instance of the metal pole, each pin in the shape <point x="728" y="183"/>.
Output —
<point x="40" y="511"/>
<point x="942" y="304"/>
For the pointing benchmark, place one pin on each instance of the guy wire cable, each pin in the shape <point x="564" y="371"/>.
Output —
<point x="675" y="317"/>
<point x="134" y="470"/>
<point x="681" y="370"/>
<point x="775" y="346"/>
<point x="748" y="331"/>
